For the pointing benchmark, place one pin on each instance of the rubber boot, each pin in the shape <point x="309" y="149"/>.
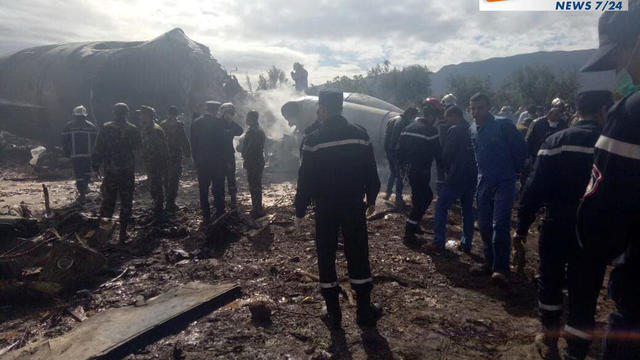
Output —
<point x="547" y="346"/>
<point x="367" y="314"/>
<point x="410" y="239"/>
<point x="257" y="210"/>
<point x="333" y="317"/>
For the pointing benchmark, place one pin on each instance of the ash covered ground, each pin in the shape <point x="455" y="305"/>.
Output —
<point x="433" y="307"/>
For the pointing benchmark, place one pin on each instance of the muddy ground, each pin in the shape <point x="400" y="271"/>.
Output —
<point x="433" y="307"/>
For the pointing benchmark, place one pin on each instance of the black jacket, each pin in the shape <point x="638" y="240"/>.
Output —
<point x="210" y="142"/>
<point x="419" y="145"/>
<point x="398" y="127"/>
<point x="538" y="132"/>
<point x="389" y="145"/>
<point x="78" y="139"/>
<point x="459" y="158"/>
<point x="560" y="175"/>
<point x="338" y="167"/>
<point x="231" y="130"/>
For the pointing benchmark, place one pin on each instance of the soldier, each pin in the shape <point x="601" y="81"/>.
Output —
<point x="418" y="146"/>
<point x="78" y="139"/>
<point x="337" y="171"/>
<point x="115" y="149"/>
<point x="253" y="156"/>
<point x="391" y="150"/>
<point x="231" y="129"/>
<point x="609" y="213"/>
<point x="559" y="176"/>
<point x="155" y="155"/>
<point x="178" y="145"/>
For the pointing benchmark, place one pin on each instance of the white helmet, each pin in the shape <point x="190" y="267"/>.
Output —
<point x="225" y="108"/>
<point x="449" y="100"/>
<point x="505" y="110"/>
<point x="557" y="103"/>
<point x="80" y="111"/>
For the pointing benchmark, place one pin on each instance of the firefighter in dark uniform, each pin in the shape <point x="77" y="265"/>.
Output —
<point x="558" y="180"/>
<point x="208" y="148"/>
<point x="154" y="155"/>
<point x="391" y="150"/>
<point x="337" y="171"/>
<point x="407" y="118"/>
<point x="178" y="145"/>
<point x="231" y="129"/>
<point x="116" y="145"/>
<point x="609" y="214"/>
<point x="253" y="156"/>
<point x="78" y="139"/>
<point x="418" y="146"/>
<point x="541" y="128"/>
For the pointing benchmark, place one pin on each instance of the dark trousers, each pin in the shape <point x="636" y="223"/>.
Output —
<point x="117" y="184"/>
<point x="214" y="179"/>
<point x="447" y="196"/>
<point x="254" y="178"/>
<point x="622" y="340"/>
<point x="351" y="220"/>
<point x="82" y="173"/>
<point x="173" y="180"/>
<point x="156" y="179"/>
<point x="230" y="177"/>
<point x="495" y="202"/>
<point x="421" y="194"/>
<point x="395" y="177"/>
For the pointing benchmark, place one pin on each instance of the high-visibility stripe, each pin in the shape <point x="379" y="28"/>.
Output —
<point x="336" y="143"/>
<point x="361" y="281"/>
<point x="328" y="285"/>
<point x="566" y="148"/>
<point x="412" y="222"/>
<point x="428" y="138"/>
<point x="548" y="307"/>
<point x="575" y="332"/>
<point x="624" y="149"/>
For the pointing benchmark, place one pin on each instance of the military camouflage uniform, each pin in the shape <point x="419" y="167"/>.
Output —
<point x="178" y="145"/>
<point x="114" y="151"/>
<point x="253" y="156"/>
<point x="155" y="155"/>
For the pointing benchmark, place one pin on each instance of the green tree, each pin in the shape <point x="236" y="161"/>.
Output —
<point x="273" y="79"/>
<point x="464" y="87"/>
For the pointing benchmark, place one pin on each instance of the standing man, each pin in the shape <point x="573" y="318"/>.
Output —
<point x="337" y="171"/>
<point x="558" y="180"/>
<point x="609" y="213"/>
<point x="253" y="156"/>
<point x="231" y="129"/>
<point x="178" y="145"/>
<point x="115" y="149"/>
<point x="500" y="153"/>
<point x="208" y="150"/>
<point x="543" y="127"/>
<point x="459" y="163"/>
<point x="418" y="146"/>
<point x="155" y="156"/>
<point x="391" y="149"/>
<point x="299" y="76"/>
<point x="399" y="126"/>
<point x="78" y="139"/>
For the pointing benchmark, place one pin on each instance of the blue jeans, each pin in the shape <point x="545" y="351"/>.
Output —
<point x="495" y="202"/>
<point x="447" y="197"/>
<point x="395" y="177"/>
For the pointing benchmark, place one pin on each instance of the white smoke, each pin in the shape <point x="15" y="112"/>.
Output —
<point x="268" y="103"/>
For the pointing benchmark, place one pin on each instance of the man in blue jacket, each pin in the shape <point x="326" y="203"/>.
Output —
<point x="500" y="153"/>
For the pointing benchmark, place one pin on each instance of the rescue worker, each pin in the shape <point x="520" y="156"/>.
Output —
<point x="391" y="150"/>
<point x="449" y="100"/>
<point x="208" y="148"/>
<point x="558" y="180"/>
<point x="78" y="140"/>
<point x="500" y="153"/>
<point x="155" y="156"/>
<point x="418" y="146"/>
<point x="609" y="213"/>
<point x="115" y="149"/>
<point x="337" y="171"/>
<point x="541" y="128"/>
<point x="398" y="128"/>
<point x="231" y="129"/>
<point x="299" y="76"/>
<point x="178" y="146"/>
<point x="253" y="156"/>
<point x="459" y="163"/>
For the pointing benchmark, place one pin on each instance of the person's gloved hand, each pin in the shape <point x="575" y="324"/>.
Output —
<point x="297" y="223"/>
<point x="371" y="209"/>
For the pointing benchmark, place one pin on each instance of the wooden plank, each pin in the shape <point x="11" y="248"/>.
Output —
<point x="115" y="333"/>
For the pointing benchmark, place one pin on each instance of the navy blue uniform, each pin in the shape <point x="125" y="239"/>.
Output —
<point x="78" y="140"/>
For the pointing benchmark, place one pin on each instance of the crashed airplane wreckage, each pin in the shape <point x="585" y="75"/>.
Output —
<point x="168" y="70"/>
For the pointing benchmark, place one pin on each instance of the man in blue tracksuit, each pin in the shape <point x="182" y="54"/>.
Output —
<point x="500" y="153"/>
<point x="461" y="173"/>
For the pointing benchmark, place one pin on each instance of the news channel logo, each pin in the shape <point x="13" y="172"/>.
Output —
<point x="554" y="5"/>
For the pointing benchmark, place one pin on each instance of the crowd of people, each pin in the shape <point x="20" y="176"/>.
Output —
<point x="112" y="152"/>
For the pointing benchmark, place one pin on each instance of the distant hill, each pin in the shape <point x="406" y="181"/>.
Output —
<point x="498" y="69"/>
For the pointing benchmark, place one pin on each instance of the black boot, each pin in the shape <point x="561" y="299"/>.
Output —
<point x="333" y="317"/>
<point x="257" y="210"/>
<point x="410" y="239"/>
<point x="367" y="314"/>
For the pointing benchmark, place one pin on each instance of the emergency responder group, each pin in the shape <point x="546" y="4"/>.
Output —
<point x="112" y="152"/>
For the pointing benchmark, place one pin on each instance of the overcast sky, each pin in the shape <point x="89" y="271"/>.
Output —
<point x="336" y="37"/>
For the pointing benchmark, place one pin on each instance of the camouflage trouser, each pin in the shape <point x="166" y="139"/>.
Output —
<point x="173" y="180"/>
<point x="156" y="179"/>
<point x="117" y="184"/>
<point x="230" y="177"/>
<point x="254" y="178"/>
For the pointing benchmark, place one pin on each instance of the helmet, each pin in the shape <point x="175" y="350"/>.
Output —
<point x="432" y="104"/>
<point x="449" y="100"/>
<point x="80" y="111"/>
<point x="505" y="110"/>
<point x="557" y="103"/>
<point x="225" y="108"/>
